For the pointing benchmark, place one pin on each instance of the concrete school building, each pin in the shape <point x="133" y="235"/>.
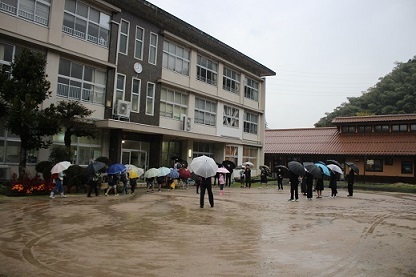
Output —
<point x="383" y="147"/>
<point x="158" y="86"/>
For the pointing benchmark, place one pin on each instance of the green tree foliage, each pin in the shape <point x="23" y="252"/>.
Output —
<point x="21" y="96"/>
<point x="393" y="94"/>
<point x="72" y="115"/>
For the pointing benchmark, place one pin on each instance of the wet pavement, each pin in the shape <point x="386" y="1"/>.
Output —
<point x="249" y="232"/>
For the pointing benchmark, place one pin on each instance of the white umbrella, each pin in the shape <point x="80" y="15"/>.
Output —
<point x="163" y="171"/>
<point x="59" y="167"/>
<point x="335" y="168"/>
<point x="222" y="170"/>
<point x="249" y="164"/>
<point x="152" y="172"/>
<point x="134" y="170"/>
<point x="204" y="166"/>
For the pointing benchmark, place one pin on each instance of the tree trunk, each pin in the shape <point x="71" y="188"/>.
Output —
<point x="67" y="141"/>
<point x="22" y="162"/>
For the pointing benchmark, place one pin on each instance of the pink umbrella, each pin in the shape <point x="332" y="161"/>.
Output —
<point x="222" y="170"/>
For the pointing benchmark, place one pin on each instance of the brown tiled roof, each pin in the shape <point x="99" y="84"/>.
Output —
<point x="375" y="118"/>
<point x="329" y="141"/>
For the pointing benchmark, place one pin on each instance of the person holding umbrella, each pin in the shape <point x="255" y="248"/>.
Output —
<point x="309" y="185"/>
<point x="350" y="179"/>
<point x="279" y="179"/>
<point x="294" y="184"/>
<point x="263" y="177"/>
<point x="59" y="186"/>
<point x="112" y="184"/>
<point x="247" y="176"/>
<point x="333" y="184"/>
<point x="92" y="183"/>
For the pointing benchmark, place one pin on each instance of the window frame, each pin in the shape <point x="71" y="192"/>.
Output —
<point x="233" y="77"/>
<point x="154" y="48"/>
<point x="250" y="126"/>
<point x="251" y="89"/>
<point x="208" y="72"/>
<point x="378" y="165"/>
<point x="118" y="89"/>
<point x="124" y="35"/>
<point x="407" y="169"/>
<point x="137" y="41"/>
<point x="203" y="115"/>
<point x="31" y="15"/>
<point x="150" y="99"/>
<point x="231" y="120"/>
<point x="165" y="102"/>
<point x="135" y="94"/>
<point x="179" y="60"/>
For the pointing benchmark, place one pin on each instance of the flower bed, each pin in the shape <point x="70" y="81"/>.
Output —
<point x="30" y="186"/>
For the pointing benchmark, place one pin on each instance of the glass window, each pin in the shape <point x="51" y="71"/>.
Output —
<point x="153" y="48"/>
<point x="9" y="6"/>
<point x="375" y="165"/>
<point x="173" y="103"/>
<point x="150" y="98"/>
<point x="407" y="167"/>
<point x="203" y="148"/>
<point x="251" y="89"/>
<point x="365" y="129"/>
<point x="80" y="82"/>
<point x="124" y="37"/>
<point x="399" y="128"/>
<point x="250" y="155"/>
<point x="86" y="23"/>
<point x="381" y="128"/>
<point x="205" y="112"/>
<point x="138" y="45"/>
<point x="231" y="117"/>
<point x="250" y="123"/>
<point x="36" y="11"/>
<point x="231" y="153"/>
<point x="206" y="70"/>
<point x="413" y="127"/>
<point x="175" y="58"/>
<point x="231" y="81"/>
<point x="135" y="95"/>
<point x="120" y="86"/>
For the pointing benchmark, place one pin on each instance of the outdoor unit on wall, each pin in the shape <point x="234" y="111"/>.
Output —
<point x="123" y="108"/>
<point x="186" y="122"/>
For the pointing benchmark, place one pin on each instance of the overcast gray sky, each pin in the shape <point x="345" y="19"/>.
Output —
<point x="323" y="51"/>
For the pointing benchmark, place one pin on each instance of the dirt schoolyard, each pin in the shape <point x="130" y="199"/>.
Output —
<point x="249" y="232"/>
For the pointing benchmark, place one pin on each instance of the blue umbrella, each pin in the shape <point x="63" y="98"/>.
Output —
<point x="116" y="169"/>
<point x="324" y="168"/>
<point x="174" y="174"/>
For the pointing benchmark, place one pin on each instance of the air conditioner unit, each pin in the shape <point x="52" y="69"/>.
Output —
<point x="123" y="108"/>
<point x="186" y="123"/>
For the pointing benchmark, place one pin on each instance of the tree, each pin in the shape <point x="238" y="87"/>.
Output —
<point x="72" y="115"/>
<point x="395" y="93"/>
<point x="21" y="96"/>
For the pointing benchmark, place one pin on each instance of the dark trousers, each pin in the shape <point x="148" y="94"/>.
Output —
<point x="248" y="182"/>
<point x="334" y="190"/>
<point x="93" y="186"/>
<point x="202" y="195"/>
<point x="350" y="188"/>
<point x="279" y="183"/>
<point x="309" y="190"/>
<point x="294" y="190"/>
<point x="228" y="179"/>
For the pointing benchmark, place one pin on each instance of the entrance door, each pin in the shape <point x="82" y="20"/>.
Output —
<point x="135" y="157"/>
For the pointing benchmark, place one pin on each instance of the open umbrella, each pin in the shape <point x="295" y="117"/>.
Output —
<point x="116" y="169"/>
<point x="134" y="171"/>
<point x="239" y="167"/>
<point x="324" y="168"/>
<point x="152" y="172"/>
<point x="95" y="166"/>
<point x="173" y="173"/>
<point x="265" y="167"/>
<point x="335" y="168"/>
<point x="353" y="167"/>
<point x="334" y="162"/>
<point x="296" y="167"/>
<point x="313" y="169"/>
<point x="249" y="164"/>
<point x="184" y="173"/>
<point x="59" y="167"/>
<point x="222" y="170"/>
<point x="204" y="166"/>
<point x="163" y="171"/>
<point x="228" y="164"/>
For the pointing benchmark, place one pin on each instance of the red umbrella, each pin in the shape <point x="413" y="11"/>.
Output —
<point x="184" y="173"/>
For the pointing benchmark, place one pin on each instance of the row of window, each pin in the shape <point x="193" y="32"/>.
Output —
<point x="176" y="58"/>
<point x="376" y="165"/>
<point x="379" y="128"/>
<point x="32" y="10"/>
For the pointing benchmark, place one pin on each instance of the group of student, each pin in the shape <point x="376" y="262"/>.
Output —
<point x="310" y="184"/>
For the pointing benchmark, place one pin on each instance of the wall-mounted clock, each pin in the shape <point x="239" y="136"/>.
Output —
<point x="138" y="68"/>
